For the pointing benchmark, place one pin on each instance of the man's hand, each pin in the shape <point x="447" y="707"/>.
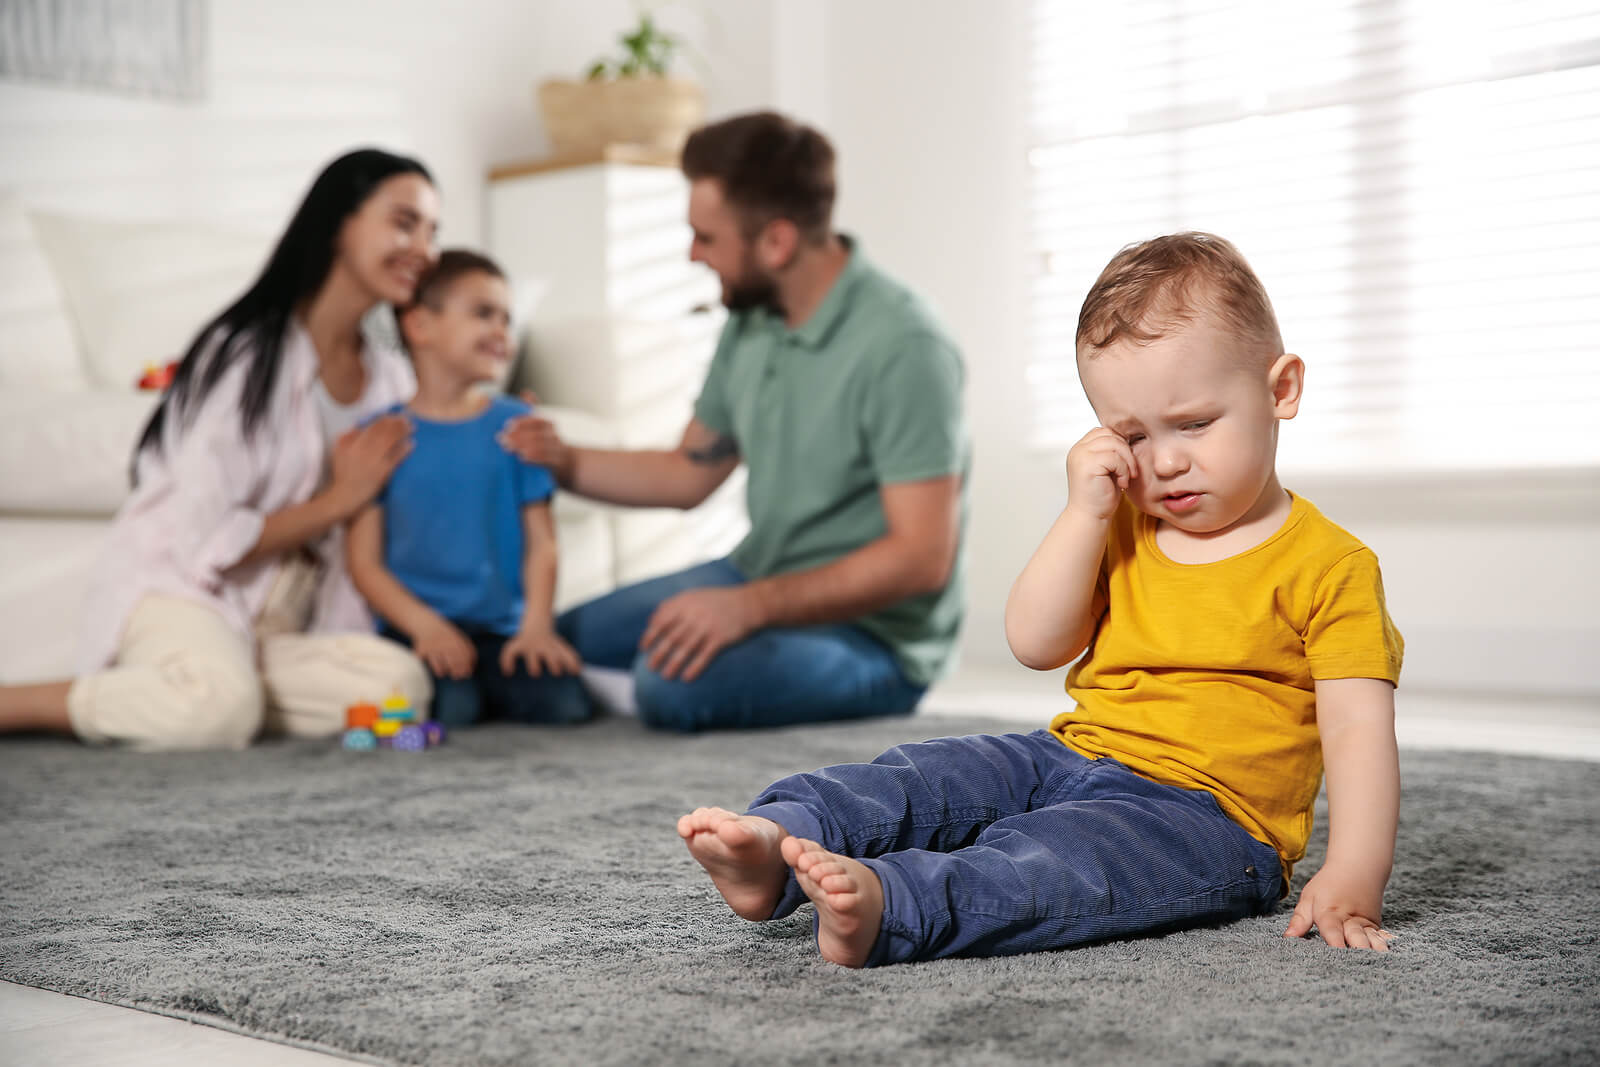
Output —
<point x="1100" y="467"/>
<point x="533" y="439"/>
<point x="445" y="649"/>
<point x="688" y="630"/>
<point x="1346" y="912"/>
<point x="542" y="650"/>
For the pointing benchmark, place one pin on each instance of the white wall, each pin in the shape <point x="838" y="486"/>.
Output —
<point x="295" y="82"/>
<point x="931" y="180"/>
<point x="1493" y="582"/>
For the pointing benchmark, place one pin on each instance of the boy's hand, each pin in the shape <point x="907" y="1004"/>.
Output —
<point x="445" y="649"/>
<point x="1345" y="911"/>
<point x="1099" y="469"/>
<point x="364" y="458"/>
<point x="542" y="650"/>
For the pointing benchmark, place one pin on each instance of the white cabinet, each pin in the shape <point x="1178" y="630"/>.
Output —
<point x="626" y="326"/>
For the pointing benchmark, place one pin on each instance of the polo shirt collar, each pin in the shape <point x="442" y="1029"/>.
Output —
<point x="814" y="332"/>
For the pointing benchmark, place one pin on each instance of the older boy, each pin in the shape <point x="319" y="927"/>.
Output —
<point x="457" y="555"/>
<point x="1232" y="639"/>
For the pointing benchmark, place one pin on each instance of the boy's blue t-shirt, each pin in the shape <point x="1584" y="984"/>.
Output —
<point x="452" y="517"/>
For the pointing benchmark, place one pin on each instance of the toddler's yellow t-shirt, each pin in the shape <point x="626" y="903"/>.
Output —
<point x="1202" y="675"/>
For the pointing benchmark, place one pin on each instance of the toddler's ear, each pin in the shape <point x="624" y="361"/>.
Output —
<point x="1287" y="380"/>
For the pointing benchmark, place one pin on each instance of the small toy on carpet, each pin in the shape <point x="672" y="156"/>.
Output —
<point x="393" y="724"/>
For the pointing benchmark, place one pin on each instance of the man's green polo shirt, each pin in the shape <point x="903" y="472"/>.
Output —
<point x="864" y="393"/>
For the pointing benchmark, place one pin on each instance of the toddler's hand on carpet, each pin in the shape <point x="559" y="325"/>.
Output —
<point x="542" y="650"/>
<point x="445" y="650"/>
<point x="688" y="630"/>
<point x="1343" y="911"/>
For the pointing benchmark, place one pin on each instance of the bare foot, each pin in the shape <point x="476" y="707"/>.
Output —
<point x="41" y="706"/>
<point x="848" y="896"/>
<point x="741" y="853"/>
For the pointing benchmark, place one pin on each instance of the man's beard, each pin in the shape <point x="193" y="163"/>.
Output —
<point x="751" y="290"/>
<point x="752" y="295"/>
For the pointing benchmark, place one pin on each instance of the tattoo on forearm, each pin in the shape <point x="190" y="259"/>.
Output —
<point x="714" y="451"/>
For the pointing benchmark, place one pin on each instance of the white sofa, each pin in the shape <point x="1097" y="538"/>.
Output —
<point x="85" y="305"/>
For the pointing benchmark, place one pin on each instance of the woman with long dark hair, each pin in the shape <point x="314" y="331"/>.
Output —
<point x="221" y="603"/>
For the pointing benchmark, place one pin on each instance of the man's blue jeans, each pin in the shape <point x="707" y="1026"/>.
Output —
<point x="776" y="677"/>
<point x="992" y="845"/>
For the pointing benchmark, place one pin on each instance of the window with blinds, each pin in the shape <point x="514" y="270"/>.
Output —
<point x="1417" y="182"/>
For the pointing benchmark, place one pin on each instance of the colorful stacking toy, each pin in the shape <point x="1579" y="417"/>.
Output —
<point x="410" y="739"/>
<point x="360" y="739"/>
<point x="392" y="724"/>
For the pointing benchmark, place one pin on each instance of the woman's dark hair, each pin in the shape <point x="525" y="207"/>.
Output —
<point x="254" y="324"/>
<point x="770" y="167"/>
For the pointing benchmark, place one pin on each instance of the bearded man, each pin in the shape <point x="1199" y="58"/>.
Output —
<point x="841" y="395"/>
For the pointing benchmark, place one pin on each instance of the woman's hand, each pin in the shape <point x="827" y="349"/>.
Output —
<point x="364" y="458"/>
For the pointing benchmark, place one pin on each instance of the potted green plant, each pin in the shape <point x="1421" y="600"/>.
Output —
<point x="630" y="99"/>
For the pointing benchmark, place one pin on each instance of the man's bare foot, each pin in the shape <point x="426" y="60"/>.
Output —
<point x="742" y="855"/>
<point x="848" y="896"/>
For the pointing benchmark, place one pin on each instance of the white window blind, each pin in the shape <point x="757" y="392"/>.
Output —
<point x="1417" y="182"/>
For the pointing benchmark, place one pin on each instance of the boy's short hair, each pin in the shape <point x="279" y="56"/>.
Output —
<point x="1152" y="287"/>
<point x="452" y="265"/>
<point x="770" y="167"/>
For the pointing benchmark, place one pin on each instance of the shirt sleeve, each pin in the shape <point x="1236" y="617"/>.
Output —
<point x="381" y="499"/>
<point x="912" y="412"/>
<point x="1350" y="634"/>
<point x="1120" y="541"/>
<point x="217" y="477"/>
<point x="535" y="484"/>
<point x="711" y="406"/>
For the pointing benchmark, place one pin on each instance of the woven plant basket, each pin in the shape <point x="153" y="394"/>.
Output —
<point x="582" y="116"/>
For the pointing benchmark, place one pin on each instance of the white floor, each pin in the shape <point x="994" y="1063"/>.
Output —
<point x="42" y="1029"/>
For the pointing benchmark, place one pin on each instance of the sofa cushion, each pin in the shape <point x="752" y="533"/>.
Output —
<point x="37" y="347"/>
<point x="140" y="291"/>
<point x="68" y="453"/>
<point x="49" y="564"/>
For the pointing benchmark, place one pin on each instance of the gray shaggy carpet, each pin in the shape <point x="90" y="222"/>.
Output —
<point x="519" y="896"/>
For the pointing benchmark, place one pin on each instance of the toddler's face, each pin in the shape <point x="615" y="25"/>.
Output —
<point x="1201" y="420"/>
<point x="471" y="331"/>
